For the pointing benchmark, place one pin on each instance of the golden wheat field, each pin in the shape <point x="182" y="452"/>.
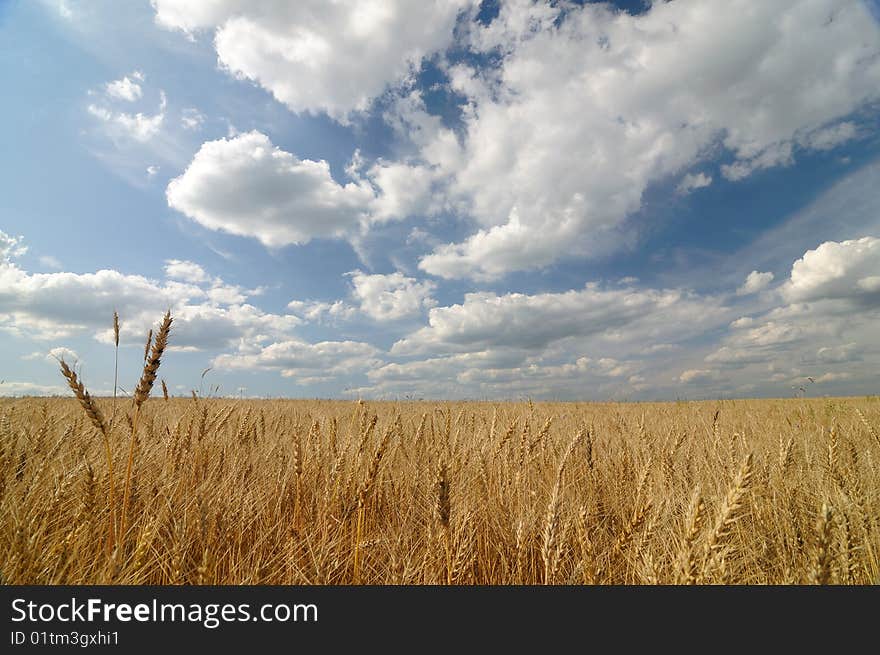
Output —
<point x="333" y="492"/>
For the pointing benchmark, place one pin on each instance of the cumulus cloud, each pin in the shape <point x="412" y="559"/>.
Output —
<point x="486" y="320"/>
<point x="192" y="119"/>
<point x="393" y="296"/>
<point x="381" y="297"/>
<point x="315" y="56"/>
<point x="606" y="341"/>
<point x="736" y="356"/>
<point x="307" y="362"/>
<point x="317" y="311"/>
<point x="187" y="271"/>
<point x="64" y="10"/>
<point x="51" y="306"/>
<point x="833" y="377"/>
<point x="54" y="355"/>
<point x="48" y="261"/>
<point x="697" y="375"/>
<point x="837" y="270"/>
<point x="138" y="126"/>
<point x="246" y="186"/>
<point x="11" y="247"/>
<point x="589" y="107"/>
<point x="503" y="373"/>
<point x="12" y="388"/>
<point x="126" y="88"/>
<point x="580" y="111"/>
<point x="831" y="137"/>
<point x="843" y="353"/>
<point x="755" y="281"/>
<point x="823" y="327"/>
<point x="402" y="190"/>
<point x="693" y="181"/>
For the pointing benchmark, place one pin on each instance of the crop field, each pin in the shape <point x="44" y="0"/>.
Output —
<point x="221" y="491"/>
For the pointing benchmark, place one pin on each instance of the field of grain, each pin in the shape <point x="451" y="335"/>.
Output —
<point x="333" y="492"/>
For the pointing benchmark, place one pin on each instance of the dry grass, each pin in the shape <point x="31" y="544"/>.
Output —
<point x="332" y="492"/>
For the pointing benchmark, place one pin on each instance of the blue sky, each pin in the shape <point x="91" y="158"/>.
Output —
<point x="450" y="199"/>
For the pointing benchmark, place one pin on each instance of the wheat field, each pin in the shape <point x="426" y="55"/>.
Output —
<point x="335" y="492"/>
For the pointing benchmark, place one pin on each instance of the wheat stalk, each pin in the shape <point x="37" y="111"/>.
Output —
<point x="97" y="419"/>
<point x="821" y="573"/>
<point x="728" y="515"/>
<point x="142" y="392"/>
<point x="363" y="494"/>
<point x="115" y="364"/>
<point x="550" y="545"/>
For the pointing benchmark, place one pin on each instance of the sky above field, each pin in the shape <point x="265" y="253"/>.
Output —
<point x="445" y="199"/>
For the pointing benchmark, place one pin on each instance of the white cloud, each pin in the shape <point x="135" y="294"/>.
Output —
<point x="837" y="270"/>
<point x="831" y="137"/>
<point x="246" y="186"/>
<point x="140" y="126"/>
<point x="226" y="294"/>
<point x="192" y="119"/>
<point x="832" y="377"/>
<point x="54" y="355"/>
<point x="10" y="388"/>
<point x="59" y="305"/>
<point x="825" y="324"/>
<point x="504" y="373"/>
<point x="402" y="190"/>
<point x="10" y="247"/>
<point x="742" y="322"/>
<point x="64" y="10"/>
<point x="308" y="362"/>
<point x="777" y="154"/>
<point x="52" y="305"/>
<point x="126" y="88"/>
<point x="393" y="296"/>
<point x="697" y="375"/>
<point x="381" y="297"/>
<point x="316" y="311"/>
<point x="316" y="56"/>
<point x="755" y="281"/>
<point x="586" y="110"/>
<point x="590" y="107"/>
<point x="486" y="320"/>
<point x="692" y="181"/>
<point x="185" y="270"/>
<point x="659" y="348"/>
<point x="49" y="261"/>
<point x="843" y="353"/>
<point x="652" y="342"/>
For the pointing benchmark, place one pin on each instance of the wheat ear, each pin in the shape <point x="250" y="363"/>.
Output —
<point x="821" y="573"/>
<point x="94" y="413"/>
<point x="550" y="546"/>
<point x="115" y="364"/>
<point x="363" y="494"/>
<point x="142" y="392"/>
<point x="728" y="514"/>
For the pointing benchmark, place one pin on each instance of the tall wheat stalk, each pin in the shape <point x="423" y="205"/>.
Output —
<point x="363" y="495"/>
<point x="141" y="393"/>
<point x="115" y="365"/>
<point x="93" y="412"/>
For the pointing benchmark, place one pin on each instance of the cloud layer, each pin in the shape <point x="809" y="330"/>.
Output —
<point x="315" y="56"/>
<point x="590" y="107"/>
<point x="817" y="326"/>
